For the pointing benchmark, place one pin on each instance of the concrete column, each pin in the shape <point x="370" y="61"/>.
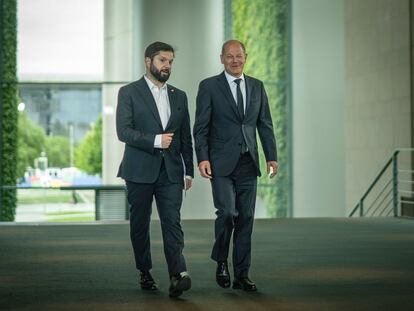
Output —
<point x="317" y="108"/>
<point x="195" y="29"/>
<point x="118" y="67"/>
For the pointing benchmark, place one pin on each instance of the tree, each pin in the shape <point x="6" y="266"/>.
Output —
<point x="88" y="154"/>
<point x="57" y="151"/>
<point x="30" y="143"/>
<point x="32" y="140"/>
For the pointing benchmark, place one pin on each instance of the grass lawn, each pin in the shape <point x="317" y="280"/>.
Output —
<point x="70" y="216"/>
<point x="72" y="219"/>
<point x="65" y="213"/>
<point x="43" y="196"/>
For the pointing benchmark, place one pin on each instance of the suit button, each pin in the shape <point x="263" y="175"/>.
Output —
<point x="240" y="144"/>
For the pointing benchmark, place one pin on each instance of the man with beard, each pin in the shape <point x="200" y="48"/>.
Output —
<point x="152" y="120"/>
<point x="230" y="108"/>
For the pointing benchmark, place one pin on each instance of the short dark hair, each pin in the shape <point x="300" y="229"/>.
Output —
<point x="232" y="41"/>
<point x="154" y="49"/>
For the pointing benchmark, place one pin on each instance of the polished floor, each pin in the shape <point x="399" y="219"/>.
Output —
<point x="298" y="264"/>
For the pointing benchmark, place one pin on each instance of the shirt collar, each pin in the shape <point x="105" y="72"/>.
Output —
<point x="151" y="84"/>
<point x="230" y="78"/>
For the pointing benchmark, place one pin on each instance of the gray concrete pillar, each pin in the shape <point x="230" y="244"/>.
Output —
<point x="195" y="29"/>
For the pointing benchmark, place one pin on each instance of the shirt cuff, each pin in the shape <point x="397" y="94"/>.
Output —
<point x="188" y="177"/>
<point x="157" y="141"/>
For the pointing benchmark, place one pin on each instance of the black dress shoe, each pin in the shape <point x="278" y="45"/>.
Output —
<point x="179" y="283"/>
<point x="147" y="282"/>
<point x="245" y="284"/>
<point x="222" y="274"/>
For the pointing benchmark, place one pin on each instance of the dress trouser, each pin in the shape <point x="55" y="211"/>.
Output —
<point x="235" y="198"/>
<point x="168" y="197"/>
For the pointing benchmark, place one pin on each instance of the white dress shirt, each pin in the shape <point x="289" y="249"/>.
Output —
<point x="164" y="109"/>
<point x="233" y="87"/>
<point x="163" y="105"/>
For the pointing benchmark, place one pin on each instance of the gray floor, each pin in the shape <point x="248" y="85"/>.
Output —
<point x="298" y="264"/>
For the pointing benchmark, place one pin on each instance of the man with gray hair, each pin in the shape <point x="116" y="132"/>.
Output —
<point x="230" y="108"/>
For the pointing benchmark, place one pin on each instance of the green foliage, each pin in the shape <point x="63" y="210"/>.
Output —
<point x="88" y="154"/>
<point x="262" y="26"/>
<point x="57" y="151"/>
<point x="32" y="140"/>
<point x="8" y="44"/>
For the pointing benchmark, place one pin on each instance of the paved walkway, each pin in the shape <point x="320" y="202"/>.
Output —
<point x="298" y="264"/>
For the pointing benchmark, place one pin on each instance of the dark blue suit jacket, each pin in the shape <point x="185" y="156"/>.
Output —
<point x="219" y="129"/>
<point x="137" y="123"/>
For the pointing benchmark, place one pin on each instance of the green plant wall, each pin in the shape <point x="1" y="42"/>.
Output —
<point x="262" y="25"/>
<point x="8" y="93"/>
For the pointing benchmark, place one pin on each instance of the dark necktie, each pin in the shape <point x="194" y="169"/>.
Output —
<point x="240" y="108"/>
<point x="240" y="105"/>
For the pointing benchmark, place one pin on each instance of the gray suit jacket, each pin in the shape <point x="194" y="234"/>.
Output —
<point x="138" y="122"/>
<point x="219" y="130"/>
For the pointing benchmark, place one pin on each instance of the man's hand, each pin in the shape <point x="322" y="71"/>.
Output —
<point x="205" y="169"/>
<point x="272" y="168"/>
<point x="188" y="183"/>
<point x="166" y="140"/>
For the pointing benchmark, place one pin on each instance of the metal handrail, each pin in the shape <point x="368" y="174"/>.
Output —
<point x="379" y="195"/>
<point x="403" y="181"/>
<point x="406" y="202"/>
<point x="406" y="171"/>
<point x="360" y="204"/>
<point x="395" y="181"/>
<point x="380" y="204"/>
<point x="406" y="192"/>
<point x="386" y="206"/>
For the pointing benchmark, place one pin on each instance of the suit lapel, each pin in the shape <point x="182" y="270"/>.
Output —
<point x="225" y="89"/>
<point x="249" y="89"/>
<point x="172" y="98"/>
<point x="149" y="100"/>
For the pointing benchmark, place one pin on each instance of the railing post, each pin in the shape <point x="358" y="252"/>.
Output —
<point x="361" y="208"/>
<point x="126" y="205"/>
<point x="97" y="205"/>
<point x="395" y="183"/>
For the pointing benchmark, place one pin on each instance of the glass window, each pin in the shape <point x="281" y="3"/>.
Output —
<point x="60" y="69"/>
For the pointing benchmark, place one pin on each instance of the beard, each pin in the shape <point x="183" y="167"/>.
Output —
<point x="160" y="75"/>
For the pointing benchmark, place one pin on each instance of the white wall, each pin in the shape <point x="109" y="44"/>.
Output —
<point x="317" y="108"/>
<point x="377" y="102"/>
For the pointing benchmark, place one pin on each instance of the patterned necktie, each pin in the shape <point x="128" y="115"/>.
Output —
<point x="240" y="105"/>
